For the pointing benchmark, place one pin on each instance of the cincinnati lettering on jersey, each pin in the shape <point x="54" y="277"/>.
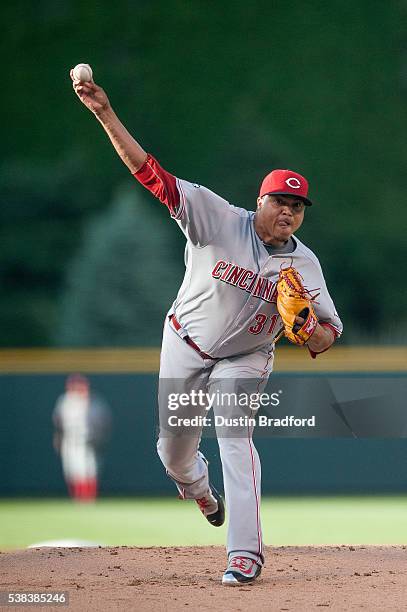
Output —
<point x="249" y="281"/>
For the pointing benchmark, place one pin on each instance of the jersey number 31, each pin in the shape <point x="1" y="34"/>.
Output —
<point x="261" y="320"/>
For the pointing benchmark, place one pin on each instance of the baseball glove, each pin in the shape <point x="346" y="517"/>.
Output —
<point x="294" y="300"/>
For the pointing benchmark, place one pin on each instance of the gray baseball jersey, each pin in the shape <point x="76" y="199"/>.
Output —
<point x="227" y="301"/>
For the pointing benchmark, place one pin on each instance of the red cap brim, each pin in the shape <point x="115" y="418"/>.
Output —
<point x="306" y="201"/>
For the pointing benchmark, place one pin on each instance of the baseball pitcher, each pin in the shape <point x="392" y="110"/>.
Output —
<point x="248" y="279"/>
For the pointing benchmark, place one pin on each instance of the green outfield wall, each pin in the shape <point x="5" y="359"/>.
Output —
<point x="30" y="466"/>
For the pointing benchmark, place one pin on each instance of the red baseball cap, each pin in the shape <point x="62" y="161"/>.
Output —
<point x="285" y="182"/>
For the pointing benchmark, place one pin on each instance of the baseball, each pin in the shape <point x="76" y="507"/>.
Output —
<point x="82" y="73"/>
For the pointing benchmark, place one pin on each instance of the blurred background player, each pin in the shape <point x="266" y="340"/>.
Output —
<point x="82" y="426"/>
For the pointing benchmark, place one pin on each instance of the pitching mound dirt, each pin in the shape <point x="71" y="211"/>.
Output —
<point x="294" y="578"/>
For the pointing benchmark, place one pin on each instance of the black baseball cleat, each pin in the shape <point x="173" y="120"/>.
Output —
<point x="241" y="570"/>
<point x="206" y="505"/>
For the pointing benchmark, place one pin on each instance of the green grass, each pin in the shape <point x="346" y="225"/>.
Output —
<point x="170" y="522"/>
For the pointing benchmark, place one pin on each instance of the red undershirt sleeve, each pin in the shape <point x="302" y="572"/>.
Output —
<point x="336" y="334"/>
<point x="160" y="183"/>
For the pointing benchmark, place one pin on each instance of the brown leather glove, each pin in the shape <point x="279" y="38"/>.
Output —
<point x="294" y="300"/>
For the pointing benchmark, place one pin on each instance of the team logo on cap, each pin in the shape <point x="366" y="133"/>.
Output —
<point x="293" y="182"/>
